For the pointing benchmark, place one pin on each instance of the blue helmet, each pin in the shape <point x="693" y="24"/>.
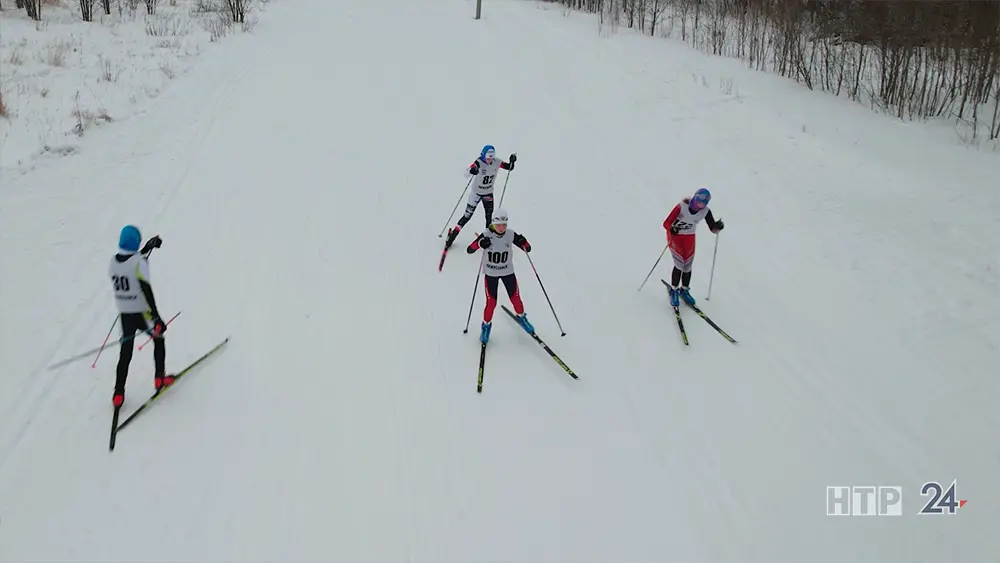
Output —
<point x="700" y="199"/>
<point x="488" y="150"/>
<point x="130" y="239"/>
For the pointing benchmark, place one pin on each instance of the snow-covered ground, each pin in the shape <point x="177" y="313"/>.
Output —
<point x="299" y="177"/>
<point x="62" y="77"/>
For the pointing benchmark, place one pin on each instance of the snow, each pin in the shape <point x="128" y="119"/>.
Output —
<point x="60" y="77"/>
<point x="298" y="176"/>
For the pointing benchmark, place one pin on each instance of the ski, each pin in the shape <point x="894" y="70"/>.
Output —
<point x="703" y="316"/>
<point x="444" y="253"/>
<point x="114" y="428"/>
<point x="541" y="343"/>
<point x="677" y="315"/>
<point x="482" y="364"/>
<point x="712" y="323"/>
<point x="159" y="392"/>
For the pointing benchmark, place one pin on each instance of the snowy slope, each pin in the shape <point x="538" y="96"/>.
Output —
<point x="299" y="178"/>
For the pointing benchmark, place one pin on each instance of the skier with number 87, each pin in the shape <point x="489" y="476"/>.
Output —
<point x="497" y="243"/>
<point x="484" y="172"/>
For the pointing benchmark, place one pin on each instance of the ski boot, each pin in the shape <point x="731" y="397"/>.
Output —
<point x="675" y="297"/>
<point x="523" y="320"/>
<point x="452" y="235"/>
<point x="686" y="295"/>
<point x="484" y="336"/>
<point x="162" y="381"/>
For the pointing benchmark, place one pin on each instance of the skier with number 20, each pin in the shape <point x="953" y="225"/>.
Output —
<point x="484" y="171"/>
<point x="497" y="243"/>
<point x="681" y="224"/>
<point x="129" y="271"/>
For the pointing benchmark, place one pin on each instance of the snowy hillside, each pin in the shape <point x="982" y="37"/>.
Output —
<point x="299" y="176"/>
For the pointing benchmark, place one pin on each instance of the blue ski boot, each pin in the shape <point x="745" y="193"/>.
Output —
<point x="523" y="319"/>
<point x="686" y="296"/>
<point x="484" y="336"/>
<point x="674" y="297"/>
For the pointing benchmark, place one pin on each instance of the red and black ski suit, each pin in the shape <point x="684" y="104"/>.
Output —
<point x="492" y="283"/>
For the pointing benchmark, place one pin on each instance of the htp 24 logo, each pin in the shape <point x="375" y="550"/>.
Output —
<point x="888" y="501"/>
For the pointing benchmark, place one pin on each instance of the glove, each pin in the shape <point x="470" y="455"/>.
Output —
<point x="674" y="230"/>
<point x="718" y="226"/>
<point x="513" y="158"/>
<point x="474" y="169"/>
<point x="159" y="327"/>
<point x="526" y="246"/>
<point x="484" y="242"/>
<point x="152" y="243"/>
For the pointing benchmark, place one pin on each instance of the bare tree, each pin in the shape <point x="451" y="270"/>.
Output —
<point x="934" y="58"/>
<point x="87" y="10"/>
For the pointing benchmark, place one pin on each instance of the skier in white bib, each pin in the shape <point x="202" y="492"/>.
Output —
<point x="484" y="172"/>
<point x="498" y="264"/>
<point x="129" y="272"/>
<point x="681" y="224"/>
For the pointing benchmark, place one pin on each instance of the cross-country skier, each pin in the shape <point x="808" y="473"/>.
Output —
<point x="484" y="171"/>
<point x="681" y="224"/>
<point x="497" y="243"/>
<point x="129" y="273"/>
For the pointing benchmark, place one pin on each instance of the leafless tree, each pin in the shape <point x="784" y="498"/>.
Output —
<point x="934" y="58"/>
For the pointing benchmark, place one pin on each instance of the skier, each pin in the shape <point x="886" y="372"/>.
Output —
<point x="484" y="169"/>
<point x="497" y="242"/>
<point x="129" y="273"/>
<point x="681" y="224"/>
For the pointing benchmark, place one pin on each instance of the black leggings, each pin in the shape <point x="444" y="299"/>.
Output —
<point x="470" y="209"/>
<point x="131" y="324"/>
<point x="513" y="292"/>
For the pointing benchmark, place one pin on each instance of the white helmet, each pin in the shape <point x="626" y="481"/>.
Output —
<point x="499" y="217"/>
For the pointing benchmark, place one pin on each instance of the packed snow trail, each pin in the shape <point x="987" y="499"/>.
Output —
<point x="299" y="177"/>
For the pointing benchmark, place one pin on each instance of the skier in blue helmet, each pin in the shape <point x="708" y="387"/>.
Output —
<point x="681" y="224"/>
<point x="484" y="171"/>
<point x="129" y="272"/>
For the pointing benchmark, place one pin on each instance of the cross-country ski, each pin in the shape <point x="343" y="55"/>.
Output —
<point x="817" y="181"/>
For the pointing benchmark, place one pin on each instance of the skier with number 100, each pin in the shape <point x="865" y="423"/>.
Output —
<point x="497" y="243"/>
<point x="484" y="172"/>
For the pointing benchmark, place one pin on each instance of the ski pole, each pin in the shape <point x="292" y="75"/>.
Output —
<point x="89" y="352"/>
<point x="103" y="344"/>
<point x="654" y="266"/>
<point x="448" y="222"/>
<point x="711" y="276"/>
<point x="504" y="191"/>
<point x="546" y="294"/>
<point x="475" y="289"/>
<point x="168" y="323"/>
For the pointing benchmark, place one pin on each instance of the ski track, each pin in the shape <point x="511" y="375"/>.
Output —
<point x="297" y="177"/>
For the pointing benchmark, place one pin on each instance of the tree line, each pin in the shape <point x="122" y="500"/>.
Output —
<point x="915" y="60"/>
<point x="237" y="9"/>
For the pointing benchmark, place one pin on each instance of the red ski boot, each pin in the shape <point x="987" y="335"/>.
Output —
<point x="161" y="381"/>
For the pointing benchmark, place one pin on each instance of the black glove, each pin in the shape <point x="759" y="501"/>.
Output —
<point x="474" y="169"/>
<point x="526" y="246"/>
<point x="159" y="327"/>
<point x="152" y="243"/>
<point x="718" y="226"/>
<point x="484" y="242"/>
<point x="513" y="158"/>
<point x="673" y="229"/>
